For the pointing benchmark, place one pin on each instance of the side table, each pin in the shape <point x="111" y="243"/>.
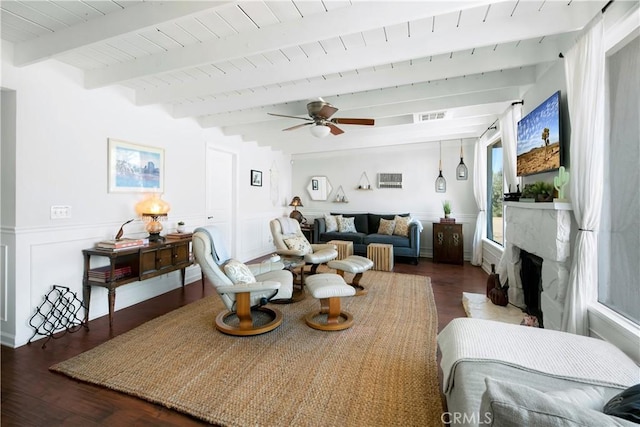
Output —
<point x="292" y="263"/>
<point x="344" y="247"/>
<point x="308" y="231"/>
<point x="382" y="256"/>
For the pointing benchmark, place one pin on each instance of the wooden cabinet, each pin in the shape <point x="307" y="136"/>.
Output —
<point x="448" y="244"/>
<point x="132" y="265"/>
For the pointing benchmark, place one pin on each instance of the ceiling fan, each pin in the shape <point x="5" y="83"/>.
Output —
<point x="320" y="112"/>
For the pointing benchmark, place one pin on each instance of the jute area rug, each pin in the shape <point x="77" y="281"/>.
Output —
<point x="380" y="372"/>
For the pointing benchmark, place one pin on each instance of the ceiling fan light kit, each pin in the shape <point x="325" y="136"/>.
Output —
<point x="320" y="131"/>
<point x="320" y="112"/>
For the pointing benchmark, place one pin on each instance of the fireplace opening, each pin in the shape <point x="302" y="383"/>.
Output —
<point x="531" y="275"/>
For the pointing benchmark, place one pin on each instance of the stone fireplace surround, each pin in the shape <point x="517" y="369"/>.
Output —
<point x="546" y="230"/>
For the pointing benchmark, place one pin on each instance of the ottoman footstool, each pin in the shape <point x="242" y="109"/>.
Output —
<point x="329" y="288"/>
<point x="353" y="264"/>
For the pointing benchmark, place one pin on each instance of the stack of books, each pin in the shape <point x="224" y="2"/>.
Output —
<point x="447" y="220"/>
<point x="178" y="235"/>
<point x="103" y="274"/>
<point x="121" y="244"/>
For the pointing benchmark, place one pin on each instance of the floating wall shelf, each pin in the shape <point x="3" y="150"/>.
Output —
<point x="364" y="183"/>
<point x="340" y="197"/>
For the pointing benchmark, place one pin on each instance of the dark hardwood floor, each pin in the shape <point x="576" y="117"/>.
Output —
<point x="34" y="396"/>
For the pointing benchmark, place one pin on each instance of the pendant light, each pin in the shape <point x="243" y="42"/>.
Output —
<point x="441" y="183"/>
<point x="462" y="173"/>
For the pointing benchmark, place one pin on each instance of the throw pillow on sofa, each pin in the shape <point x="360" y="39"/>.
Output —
<point x="386" y="226"/>
<point x="507" y="404"/>
<point x="331" y="223"/>
<point x="237" y="272"/>
<point x="625" y="405"/>
<point x="402" y="226"/>
<point x="346" y="225"/>
<point x="298" y="244"/>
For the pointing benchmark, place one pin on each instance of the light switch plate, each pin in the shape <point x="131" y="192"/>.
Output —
<point x="60" y="212"/>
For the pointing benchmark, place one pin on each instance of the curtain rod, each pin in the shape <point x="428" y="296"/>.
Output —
<point x="489" y="128"/>
<point x="604" y="9"/>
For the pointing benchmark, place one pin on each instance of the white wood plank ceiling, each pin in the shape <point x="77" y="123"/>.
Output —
<point x="227" y="63"/>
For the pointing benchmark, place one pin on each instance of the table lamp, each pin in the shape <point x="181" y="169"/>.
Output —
<point x="295" y="213"/>
<point x="153" y="210"/>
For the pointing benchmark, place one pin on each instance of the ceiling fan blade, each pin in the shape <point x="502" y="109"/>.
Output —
<point x="298" y="126"/>
<point x="334" y="129"/>
<point x="345" y="121"/>
<point x="290" y="117"/>
<point x="327" y="111"/>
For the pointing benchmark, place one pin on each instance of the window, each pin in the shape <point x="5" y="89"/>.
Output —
<point x="495" y="193"/>
<point x="619" y="233"/>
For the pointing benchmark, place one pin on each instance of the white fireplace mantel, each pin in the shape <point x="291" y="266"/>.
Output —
<point x="556" y="206"/>
<point x="543" y="229"/>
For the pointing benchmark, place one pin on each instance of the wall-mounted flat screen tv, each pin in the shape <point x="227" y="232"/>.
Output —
<point x="539" y="145"/>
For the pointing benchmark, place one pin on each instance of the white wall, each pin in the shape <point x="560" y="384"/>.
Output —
<point x="549" y="80"/>
<point x="419" y="165"/>
<point x="61" y="159"/>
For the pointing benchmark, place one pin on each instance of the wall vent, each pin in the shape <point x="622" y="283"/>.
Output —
<point x="426" y="117"/>
<point x="389" y="180"/>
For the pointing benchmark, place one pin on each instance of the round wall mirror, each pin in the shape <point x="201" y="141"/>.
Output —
<point x="319" y="188"/>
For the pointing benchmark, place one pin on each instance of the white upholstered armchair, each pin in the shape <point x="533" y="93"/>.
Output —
<point x="244" y="289"/>
<point x="290" y="241"/>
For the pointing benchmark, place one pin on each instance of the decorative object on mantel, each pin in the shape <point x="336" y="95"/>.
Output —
<point x="58" y="311"/>
<point x="512" y="197"/>
<point x="559" y="182"/>
<point x="340" y="196"/>
<point x="295" y="213"/>
<point x="153" y="210"/>
<point x="121" y="231"/>
<point x="462" y="173"/>
<point x="539" y="191"/>
<point x="364" y="183"/>
<point x="441" y="183"/>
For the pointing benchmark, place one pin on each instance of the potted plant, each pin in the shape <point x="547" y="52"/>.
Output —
<point x="540" y="191"/>
<point x="180" y="228"/>
<point x="446" y="206"/>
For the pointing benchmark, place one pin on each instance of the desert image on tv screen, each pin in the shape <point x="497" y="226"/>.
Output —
<point x="538" y="147"/>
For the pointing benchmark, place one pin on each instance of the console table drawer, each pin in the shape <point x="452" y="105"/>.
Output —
<point x="152" y="261"/>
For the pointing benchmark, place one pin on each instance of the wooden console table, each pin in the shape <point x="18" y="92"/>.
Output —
<point x="139" y="263"/>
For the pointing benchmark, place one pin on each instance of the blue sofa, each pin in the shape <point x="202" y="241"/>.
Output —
<point x="367" y="232"/>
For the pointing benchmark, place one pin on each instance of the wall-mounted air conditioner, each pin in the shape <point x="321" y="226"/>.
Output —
<point x="389" y="180"/>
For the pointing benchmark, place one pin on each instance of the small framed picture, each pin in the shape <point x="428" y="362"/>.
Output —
<point x="256" y="178"/>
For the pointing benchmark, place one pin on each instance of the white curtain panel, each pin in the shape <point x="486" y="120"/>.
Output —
<point x="480" y="194"/>
<point x="585" y="75"/>
<point x="509" y="135"/>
